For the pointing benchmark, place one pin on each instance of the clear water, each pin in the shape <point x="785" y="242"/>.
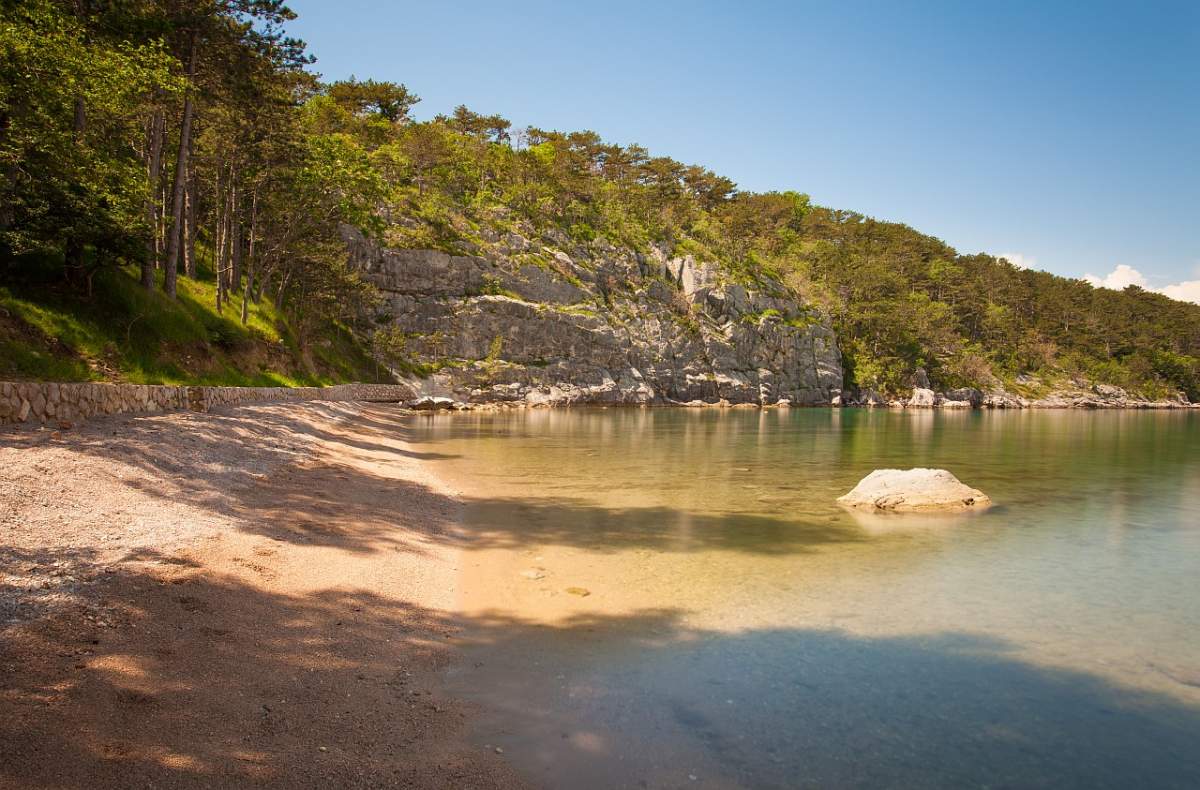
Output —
<point x="741" y="630"/>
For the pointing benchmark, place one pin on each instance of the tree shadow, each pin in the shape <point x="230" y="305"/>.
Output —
<point x="178" y="677"/>
<point x="644" y="700"/>
<point x="281" y="473"/>
<point x="267" y="468"/>
<point x="512" y="522"/>
<point x="187" y="678"/>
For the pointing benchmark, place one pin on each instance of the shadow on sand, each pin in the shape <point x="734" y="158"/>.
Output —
<point x="810" y="708"/>
<point x="766" y="708"/>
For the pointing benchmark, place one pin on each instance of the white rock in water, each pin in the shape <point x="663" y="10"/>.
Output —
<point x="922" y="398"/>
<point x="914" y="489"/>
<point x="431" y="403"/>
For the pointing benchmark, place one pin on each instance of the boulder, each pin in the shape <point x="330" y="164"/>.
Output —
<point x="431" y="403"/>
<point x="922" y="398"/>
<point x="913" y="490"/>
<point x="971" y="395"/>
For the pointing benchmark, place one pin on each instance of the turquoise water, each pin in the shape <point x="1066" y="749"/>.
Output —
<point x="671" y="598"/>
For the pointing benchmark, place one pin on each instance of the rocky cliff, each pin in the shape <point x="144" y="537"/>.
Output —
<point x="525" y="322"/>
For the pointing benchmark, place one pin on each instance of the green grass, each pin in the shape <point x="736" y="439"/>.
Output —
<point x="49" y="332"/>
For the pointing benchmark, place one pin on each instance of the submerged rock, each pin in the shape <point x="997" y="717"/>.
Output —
<point x="914" y="490"/>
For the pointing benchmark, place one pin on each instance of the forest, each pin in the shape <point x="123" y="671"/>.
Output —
<point x="174" y="175"/>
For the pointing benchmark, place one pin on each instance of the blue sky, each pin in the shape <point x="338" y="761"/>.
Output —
<point x="1067" y="134"/>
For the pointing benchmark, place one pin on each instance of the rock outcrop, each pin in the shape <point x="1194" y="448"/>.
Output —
<point x="913" y="490"/>
<point x="521" y="323"/>
<point x="922" y="398"/>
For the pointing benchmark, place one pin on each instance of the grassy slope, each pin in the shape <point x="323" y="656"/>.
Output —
<point x="122" y="333"/>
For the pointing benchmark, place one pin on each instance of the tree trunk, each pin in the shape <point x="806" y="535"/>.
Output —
<point x="181" y="164"/>
<point x="219" y="252"/>
<point x="216" y="211"/>
<point x="7" y="213"/>
<point x="282" y="287"/>
<point x="226" y="232"/>
<point x="264" y="284"/>
<point x="250" y="263"/>
<point x="218" y="236"/>
<point x="153" y="174"/>
<point x="189" y="226"/>
<point x="235" y="238"/>
<point x="160" y="231"/>
<point x="74" y="247"/>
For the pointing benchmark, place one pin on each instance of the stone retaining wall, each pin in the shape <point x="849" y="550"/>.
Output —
<point x="52" y="402"/>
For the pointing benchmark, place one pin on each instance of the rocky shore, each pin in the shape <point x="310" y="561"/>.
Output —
<point x="1099" y="397"/>
<point x="1083" y="396"/>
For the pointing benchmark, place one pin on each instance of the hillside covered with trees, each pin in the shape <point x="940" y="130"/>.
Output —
<point x="175" y="178"/>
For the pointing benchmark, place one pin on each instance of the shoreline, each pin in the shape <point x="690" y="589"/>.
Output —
<point x="64" y="404"/>
<point x="258" y="595"/>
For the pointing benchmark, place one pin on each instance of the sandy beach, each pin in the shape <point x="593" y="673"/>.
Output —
<point x="258" y="597"/>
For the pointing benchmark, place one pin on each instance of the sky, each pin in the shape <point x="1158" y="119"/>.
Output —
<point x="1064" y="136"/>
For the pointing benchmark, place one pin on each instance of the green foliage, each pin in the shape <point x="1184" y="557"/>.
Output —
<point x="1180" y="370"/>
<point x="68" y="104"/>
<point x="280" y="163"/>
<point x="494" y="350"/>
<point x="124" y="333"/>
<point x="901" y="300"/>
<point x="388" y="100"/>
<point x="493" y="286"/>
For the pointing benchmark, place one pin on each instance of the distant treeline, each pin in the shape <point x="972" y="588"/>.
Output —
<point x="190" y="138"/>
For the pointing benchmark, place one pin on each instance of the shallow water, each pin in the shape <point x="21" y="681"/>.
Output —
<point x="669" y="598"/>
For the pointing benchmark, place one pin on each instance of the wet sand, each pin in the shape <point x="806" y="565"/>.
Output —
<point x="261" y="597"/>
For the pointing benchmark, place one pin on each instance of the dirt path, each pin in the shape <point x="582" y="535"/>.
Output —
<point x="261" y="597"/>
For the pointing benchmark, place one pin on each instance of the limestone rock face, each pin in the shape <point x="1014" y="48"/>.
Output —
<point x="914" y="490"/>
<point x="525" y="323"/>
<point x="922" y="398"/>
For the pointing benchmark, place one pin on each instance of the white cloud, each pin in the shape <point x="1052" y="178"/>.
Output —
<point x="1118" y="278"/>
<point x="1123" y="275"/>
<point x="1186" y="291"/>
<point x="1019" y="260"/>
